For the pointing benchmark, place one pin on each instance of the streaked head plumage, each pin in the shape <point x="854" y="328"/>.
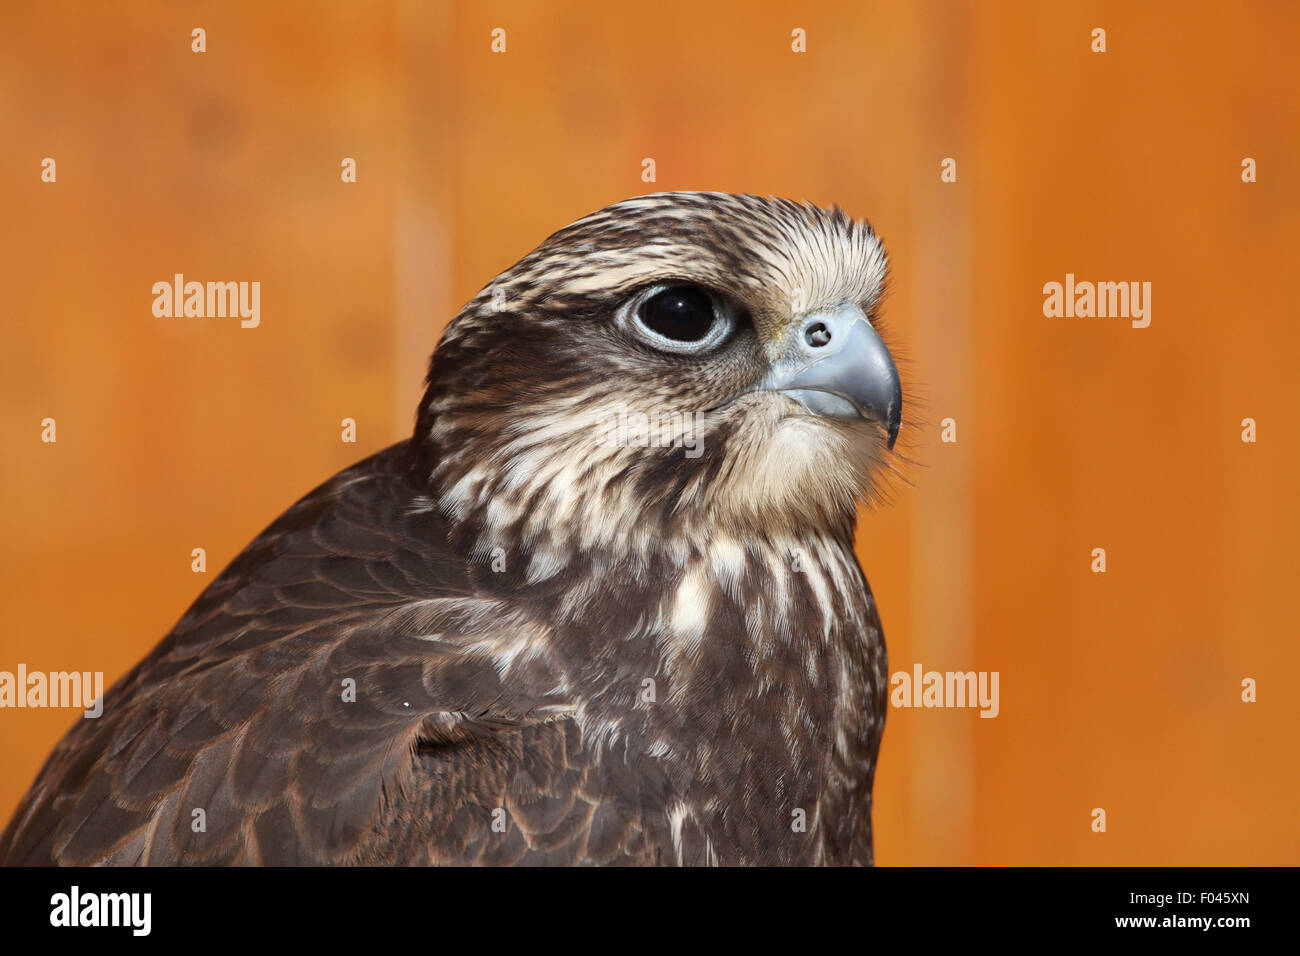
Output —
<point x="661" y="363"/>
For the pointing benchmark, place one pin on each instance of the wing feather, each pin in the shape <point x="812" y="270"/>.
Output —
<point x="335" y="696"/>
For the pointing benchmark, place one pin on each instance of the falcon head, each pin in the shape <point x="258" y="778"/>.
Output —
<point x="674" y="364"/>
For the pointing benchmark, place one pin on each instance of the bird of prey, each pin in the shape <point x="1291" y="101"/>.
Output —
<point x="602" y="607"/>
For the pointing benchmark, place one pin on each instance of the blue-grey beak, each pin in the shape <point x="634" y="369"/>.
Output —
<point x="836" y="366"/>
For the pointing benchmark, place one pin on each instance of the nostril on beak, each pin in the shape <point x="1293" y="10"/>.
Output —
<point x="817" y="335"/>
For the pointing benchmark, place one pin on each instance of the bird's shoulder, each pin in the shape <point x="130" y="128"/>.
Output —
<point x="299" y="700"/>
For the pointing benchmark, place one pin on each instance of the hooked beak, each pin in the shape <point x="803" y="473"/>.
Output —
<point x="836" y="366"/>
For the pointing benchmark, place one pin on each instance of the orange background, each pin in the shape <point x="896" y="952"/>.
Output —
<point x="1119" y="691"/>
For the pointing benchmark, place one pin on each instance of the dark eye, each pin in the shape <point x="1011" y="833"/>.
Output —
<point x="680" y="313"/>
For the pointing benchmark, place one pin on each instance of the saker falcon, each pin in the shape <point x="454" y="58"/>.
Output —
<point x="602" y="607"/>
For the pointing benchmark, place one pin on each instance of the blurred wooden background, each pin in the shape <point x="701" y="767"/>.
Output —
<point x="1119" y="691"/>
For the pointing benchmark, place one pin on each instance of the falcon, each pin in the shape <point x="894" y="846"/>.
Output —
<point x="602" y="607"/>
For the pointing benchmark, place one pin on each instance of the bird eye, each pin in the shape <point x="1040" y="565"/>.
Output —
<point x="681" y="314"/>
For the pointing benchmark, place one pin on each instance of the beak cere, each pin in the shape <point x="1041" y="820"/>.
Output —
<point x="836" y="366"/>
